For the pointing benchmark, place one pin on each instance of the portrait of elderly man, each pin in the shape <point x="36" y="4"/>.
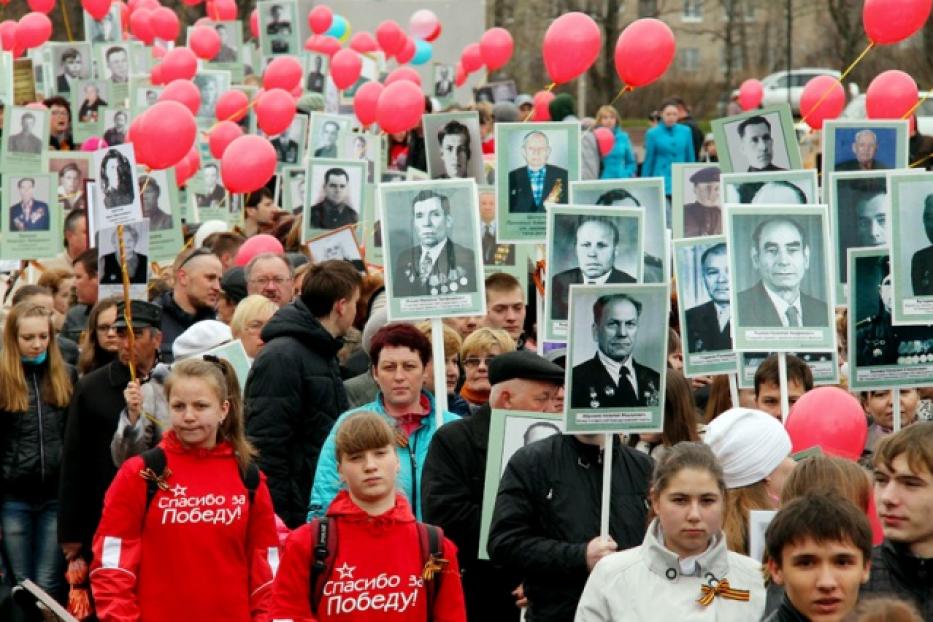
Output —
<point x="780" y="255"/>
<point x="72" y="67"/>
<point x="865" y="149"/>
<point x="613" y="378"/>
<point x="455" y="150"/>
<point x="437" y="265"/>
<point x="619" y="197"/>
<point x="334" y="210"/>
<point x="596" y="243"/>
<point x="530" y="186"/>
<point x="708" y="328"/>
<point x="921" y="264"/>
<point x="137" y="264"/>
<point x="26" y="141"/>
<point x="757" y="144"/>
<point x="704" y="215"/>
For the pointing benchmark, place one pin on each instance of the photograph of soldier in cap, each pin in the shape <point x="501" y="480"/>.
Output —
<point x="756" y="141"/>
<point x="774" y="188"/>
<point x="703" y="215"/>
<point x="453" y="145"/>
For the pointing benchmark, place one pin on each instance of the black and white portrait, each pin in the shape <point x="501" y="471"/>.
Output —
<point x="335" y="194"/>
<point x="106" y="30"/>
<point x="860" y="214"/>
<point x="28" y="128"/>
<point x="537" y="164"/>
<point x="318" y="67"/>
<point x="277" y="28"/>
<point x="153" y="193"/>
<point x="773" y="188"/>
<point x="911" y="243"/>
<point x="229" y="40"/>
<point x="295" y="189"/>
<point x="93" y="95"/>
<point x="326" y="131"/>
<point x="339" y="244"/>
<point x="211" y="84"/>
<point x="115" y="179"/>
<point x="444" y="81"/>
<point x="115" y="194"/>
<point x="704" y="290"/>
<point x="289" y="145"/>
<point x="211" y="194"/>
<point x="115" y="124"/>
<point x="116" y="63"/>
<point x="702" y="209"/>
<point x="29" y="208"/>
<point x="136" y="256"/>
<point x="364" y="148"/>
<point x="70" y="64"/>
<point x="454" y="146"/>
<point x="762" y="140"/>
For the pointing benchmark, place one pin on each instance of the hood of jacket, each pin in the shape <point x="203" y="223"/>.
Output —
<point x="663" y="562"/>
<point x="343" y="508"/>
<point x="179" y="315"/>
<point x="172" y="445"/>
<point x="295" y="320"/>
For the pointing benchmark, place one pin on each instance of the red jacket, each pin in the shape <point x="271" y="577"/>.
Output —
<point x="205" y="553"/>
<point x="377" y="571"/>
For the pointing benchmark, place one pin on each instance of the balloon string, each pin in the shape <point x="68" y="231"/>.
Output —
<point x="127" y="306"/>
<point x="921" y="160"/>
<point x="913" y="108"/>
<point x="625" y="89"/>
<point x="66" y="20"/>
<point x="839" y="80"/>
<point x="231" y="117"/>
<point x="548" y="89"/>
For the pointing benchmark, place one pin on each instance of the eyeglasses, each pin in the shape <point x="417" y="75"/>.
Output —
<point x="474" y="361"/>
<point x="276" y="280"/>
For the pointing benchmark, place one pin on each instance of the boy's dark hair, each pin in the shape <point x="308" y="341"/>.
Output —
<point x="88" y="260"/>
<point x="328" y="282"/>
<point x="821" y="518"/>
<point x="254" y="198"/>
<point x="797" y="371"/>
<point x="224" y="242"/>
<point x="400" y="336"/>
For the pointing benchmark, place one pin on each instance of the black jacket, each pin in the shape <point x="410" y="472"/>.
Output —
<point x="175" y="321"/>
<point x="294" y="395"/>
<point x="896" y="572"/>
<point x="31" y="443"/>
<point x="548" y="509"/>
<point x="452" y="498"/>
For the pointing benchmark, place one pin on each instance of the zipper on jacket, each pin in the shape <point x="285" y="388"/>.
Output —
<point x="35" y="386"/>
<point x="415" y="501"/>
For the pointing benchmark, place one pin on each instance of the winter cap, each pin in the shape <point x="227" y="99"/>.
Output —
<point x="201" y="337"/>
<point x="562" y="107"/>
<point x="525" y="365"/>
<point x="749" y="444"/>
<point x="705" y="175"/>
<point x="145" y="315"/>
<point x="207" y="228"/>
<point x="524" y="100"/>
<point x="233" y="284"/>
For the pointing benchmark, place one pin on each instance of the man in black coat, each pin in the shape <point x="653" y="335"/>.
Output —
<point x="921" y="264"/>
<point x="708" y="327"/>
<point x="531" y="185"/>
<point x="294" y="392"/>
<point x="193" y="298"/>
<point x="757" y="144"/>
<point x="455" y="475"/>
<point x="864" y="147"/>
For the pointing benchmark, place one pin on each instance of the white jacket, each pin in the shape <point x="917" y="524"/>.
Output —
<point x="645" y="583"/>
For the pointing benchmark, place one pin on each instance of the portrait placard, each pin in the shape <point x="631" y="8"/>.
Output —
<point x="781" y="261"/>
<point x="32" y="222"/>
<point x="367" y="148"/>
<point x="864" y="145"/>
<point x="617" y="358"/>
<point x="771" y="188"/>
<point x="117" y="196"/>
<point x="115" y="65"/>
<point x="454" y="146"/>
<point x="337" y="244"/>
<point x="160" y="208"/>
<point x="509" y="431"/>
<point x="508" y="258"/>
<point x="227" y="58"/>
<point x="67" y="64"/>
<point x="443" y="80"/>
<point x="757" y="140"/>
<point x="823" y="365"/>
<point x="373" y="64"/>
<point x="293" y="189"/>
<point x="25" y="140"/>
<point x="536" y="163"/>
<point x="70" y="168"/>
<point x="432" y="249"/>
<point x="109" y="270"/>
<point x="143" y="95"/>
<point x="208" y="197"/>
<point x="496" y="92"/>
<point x="211" y="84"/>
<point x="107" y="30"/>
<point x="758" y="521"/>
<point x="327" y="131"/>
<point x="646" y="193"/>
<point x="334" y="195"/>
<point x="278" y="27"/>
<point x="911" y="244"/>
<point x="116" y="125"/>
<point x="88" y="102"/>
<point x="290" y="145"/>
<point x="701" y="266"/>
<point x="859" y="217"/>
<point x="317" y="70"/>
<point x="696" y="201"/>
<point x="235" y="354"/>
<point x="588" y="245"/>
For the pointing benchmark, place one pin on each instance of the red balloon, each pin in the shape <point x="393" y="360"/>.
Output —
<point x="33" y="30"/>
<point x="254" y="23"/>
<point x="496" y="47"/>
<point x="831" y="97"/>
<point x="434" y="35"/>
<point x="284" y="72"/>
<point x="158" y="51"/>
<point x="403" y="73"/>
<point x="890" y="21"/>
<point x="97" y="9"/>
<point x="363" y="42"/>
<point x="124" y="15"/>
<point x="472" y="58"/>
<point x="168" y="130"/>
<point x="155" y="75"/>
<point x="184" y="92"/>
<point x="460" y="75"/>
<point x="345" y="68"/>
<point x="187" y="167"/>
<point x="400" y="107"/>
<point x="571" y="45"/>
<point x="644" y="51"/>
<point x="141" y="25"/>
<point x="829" y="418"/>
<point x="192" y="2"/>
<point x="275" y="110"/>
<point x="248" y="163"/>
<point x="204" y="42"/>
<point x="221" y="10"/>
<point x="751" y="92"/>
<point x="320" y="19"/>
<point x="152" y="5"/>
<point x="407" y="52"/>
<point x="605" y="140"/>
<point x="221" y="136"/>
<point x="390" y="37"/>
<point x="890" y="95"/>
<point x="165" y="23"/>
<point x="325" y="44"/>
<point x="8" y="34"/>
<point x="179" y="64"/>
<point x="365" y="101"/>
<point x="41" y="6"/>
<point x="542" y="101"/>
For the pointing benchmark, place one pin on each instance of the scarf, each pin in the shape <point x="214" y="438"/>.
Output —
<point x="474" y="397"/>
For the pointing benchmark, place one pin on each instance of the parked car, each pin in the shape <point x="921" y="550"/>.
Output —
<point x="856" y="110"/>
<point x="778" y="85"/>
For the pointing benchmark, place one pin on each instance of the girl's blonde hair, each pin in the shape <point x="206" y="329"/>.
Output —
<point x="247" y="310"/>
<point x="485" y="339"/>
<point x="56" y="385"/>
<point x="739" y="503"/>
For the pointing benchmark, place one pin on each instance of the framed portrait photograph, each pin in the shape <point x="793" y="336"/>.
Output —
<point x="290" y="144"/>
<point x="495" y="92"/>
<point x="116" y="123"/>
<point x="88" y="102"/>
<point x="701" y="266"/>
<point x="781" y="260"/>
<point x="536" y="163"/>
<point x="617" y="358"/>
<point x="136" y="248"/>
<point x="69" y="63"/>
<point x="374" y="64"/>
<point x="32" y="221"/>
<point x="114" y="63"/>
<point x="881" y="355"/>
<point x="317" y="68"/>
<point x="142" y="95"/>
<point x="117" y="196"/>
<point x="647" y="194"/>
<point x="509" y="258"/>
<point x="432" y="249"/>
<point x="864" y="145"/>
<point x="798" y="187"/>
<point x="509" y="430"/>
<point x="211" y="83"/>
<point x="696" y="201"/>
<point x="161" y="209"/>
<point x="588" y="245"/>
<point x="208" y="194"/>
<point x="71" y="169"/>
<point x="366" y="148"/>
<point x="859" y="217"/>
<point x="454" y="146"/>
<point x="911" y="245"/>
<point x="107" y="30"/>
<point x="25" y="139"/>
<point x="823" y="365"/>
<point x="228" y="57"/>
<point x="327" y="131"/>
<point x="757" y="141"/>
<point x="334" y="195"/>
<point x="337" y="244"/>
<point x="278" y="27"/>
<point x="293" y="189"/>
<point x="443" y="79"/>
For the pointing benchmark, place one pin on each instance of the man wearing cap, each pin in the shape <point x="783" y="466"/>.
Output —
<point x="99" y="397"/>
<point x="232" y="291"/>
<point x="704" y="216"/>
<point x="525" y="103"/>
<point x="455" y="473"/>
<point x="193" y="297"/>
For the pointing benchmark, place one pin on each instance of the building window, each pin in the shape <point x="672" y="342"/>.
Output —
<point x="688" y="60"/>
<point x="738" y="62"/>
<point x="693" y="11"/>
<point x="647" y="8"/>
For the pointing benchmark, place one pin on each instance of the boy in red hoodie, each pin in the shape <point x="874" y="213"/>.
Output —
<point x="378" y="566"/>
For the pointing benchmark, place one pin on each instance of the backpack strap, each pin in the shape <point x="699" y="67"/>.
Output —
<point x="431" y="539"/>
<point x="251" y="480"/>
<point x="324" y="536"/>
<point x="154" y="472"/>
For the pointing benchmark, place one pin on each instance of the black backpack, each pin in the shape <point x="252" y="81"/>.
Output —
<point x="155" y="463"/>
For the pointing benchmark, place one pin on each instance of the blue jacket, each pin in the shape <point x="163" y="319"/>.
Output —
<point x="664" y="146"/>
<point x="327" y="482"/>
<point x="620" y="162"/>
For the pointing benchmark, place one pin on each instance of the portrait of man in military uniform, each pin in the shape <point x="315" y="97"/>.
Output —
<point x="335" y="209"/>
<point x="704" y="216"/>
<point x="708" y="327"/>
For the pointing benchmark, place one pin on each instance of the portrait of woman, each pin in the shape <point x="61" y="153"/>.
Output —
<point x="116" y="179"/>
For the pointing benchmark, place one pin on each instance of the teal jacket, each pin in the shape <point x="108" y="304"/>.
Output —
<point x="327" y="482"/>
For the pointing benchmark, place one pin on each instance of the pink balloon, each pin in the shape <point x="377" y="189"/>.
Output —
<point x="890" y="95"/>
<point x="187" y="167"/>
<point x="472" y="58"/>
<point x="605" y="140"/>
<point x="365" y="101"/>
<point x="325" y="44"/>
<point x="204" y="42"/>
<point x="257" y="244"/>
<point x="423" y="23"/>
<point x="254" y="23"/>
<point x="829" y="418"/>
<point x="158" y="51"/>
<point x="403" y="73"/>
<point x="93" y="144"/>
<point x="496" y="47"/>
<point x="542" y="101"/>
<point x="8" y="34"/>
<point x="168" y="130"/>
<point x="284" y="72"/>
<point x="155" y="75"/>
<point x="33" y="30"/>
<point x="571" y="45"/>
<point x="36" y="106"/>
<point x="141" y="25"/>
<point x="751" y="92"/>
<point x="184" y="92"/>
<point x="407" y="52"/>
<point x="179" y="64"/>
<point x="248" y="163"/>
<point x="275" y="110"/>
<point x="345" y="68"/>
<point x="97" y="9"/>
<point x="165" y="23"/>
<point x="320" y="19"/>
<point x="390" y="37"/>
<point x="644" y="51"/>
<point x="221" y="136"/>
<point x="400" y="107"/>
<point x="829" y="94"/>
<point x="41" y="6"/>
<point x="890" y="21"/>
<point x="151" y="5"/>
<point x="460" y="75"/>
<point x="363" y="42"/>
<point x="221" y="10"/>
<point x="232" y="106"/>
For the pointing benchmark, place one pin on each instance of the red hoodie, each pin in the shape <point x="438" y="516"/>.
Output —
<point x="377" y="571"/>
<point x="205" y="553"/>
